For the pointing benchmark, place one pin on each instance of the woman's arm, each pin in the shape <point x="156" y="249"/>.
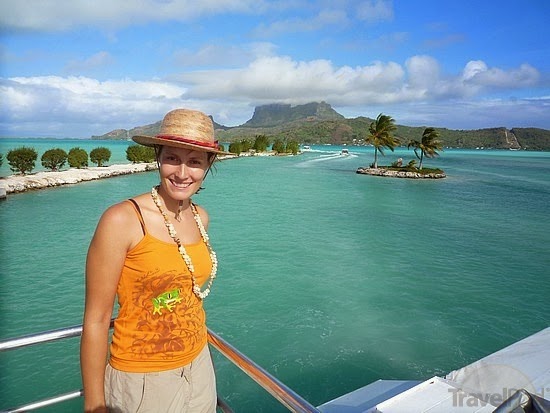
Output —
<point x="104" y="263"/>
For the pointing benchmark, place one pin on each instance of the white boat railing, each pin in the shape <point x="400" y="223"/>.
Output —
<point x="284" y="394"/>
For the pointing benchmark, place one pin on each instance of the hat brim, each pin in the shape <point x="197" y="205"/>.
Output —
<point x="154" y="141"/>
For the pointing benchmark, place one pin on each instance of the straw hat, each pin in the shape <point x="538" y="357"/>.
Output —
<point x="184" y="128"/>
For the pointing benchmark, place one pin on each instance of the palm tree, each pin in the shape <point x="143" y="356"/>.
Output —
<point x="429" y="145"/>
<point x="380" y="135"/>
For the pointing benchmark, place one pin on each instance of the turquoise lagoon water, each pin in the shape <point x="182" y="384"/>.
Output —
<point x="328" y="279"/>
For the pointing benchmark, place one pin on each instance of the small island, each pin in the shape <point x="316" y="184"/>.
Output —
<point x="402" y="173"/>
<point x="381" y="136"/>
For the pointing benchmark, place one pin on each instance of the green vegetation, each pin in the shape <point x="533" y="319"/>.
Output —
<point x="483" y="138"/>
<point x="279" y="146"/>
<point x="318" y="123"/>
<point x="355" y="131"/>
<point x="323" y="132"/>
<point x="282" y="147"/>
<point x="54" y="159"/>
<point x="292" y="147"/>
<point x="140" y="153"/>
<point x="100" y="155"/>
<point x="381" y="135"/>
<point x="78" y="158"/>
<point x="261" y="143"/>
<point x="22" y="159"/>
<point x="244" y="145"/>
<point x="1" y="159"/>
<point x="235" y="147"/>
<point x="428" y="146"/>
<point x="533" y="138"/>
<point x="411" y="168"/>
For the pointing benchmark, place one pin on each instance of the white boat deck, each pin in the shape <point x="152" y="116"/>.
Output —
<point x="479" y="387"/>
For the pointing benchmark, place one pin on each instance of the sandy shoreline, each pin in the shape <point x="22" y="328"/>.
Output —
<point x="48" y="179"/>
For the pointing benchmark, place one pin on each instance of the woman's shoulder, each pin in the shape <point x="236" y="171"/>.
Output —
<point x="200" y="209"/>
<point x="203" y="214"/>
<point x="120" y="214"/>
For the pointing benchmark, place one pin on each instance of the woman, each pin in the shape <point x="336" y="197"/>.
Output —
<point x="152" y="252"/>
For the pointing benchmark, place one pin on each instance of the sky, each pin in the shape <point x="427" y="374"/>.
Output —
<point x="77" y="68"/>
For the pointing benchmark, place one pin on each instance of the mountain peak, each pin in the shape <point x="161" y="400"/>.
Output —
<point x="275" y="114"/>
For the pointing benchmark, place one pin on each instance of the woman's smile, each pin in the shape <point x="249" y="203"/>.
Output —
<point x="182" y="185"/>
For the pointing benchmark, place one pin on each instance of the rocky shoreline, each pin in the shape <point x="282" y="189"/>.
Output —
<point x="47" y="179"/>
<point x="399" y="174"/>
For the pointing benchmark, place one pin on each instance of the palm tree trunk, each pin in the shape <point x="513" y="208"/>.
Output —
<point x="376" y="157"/>
<point x="421" y="159"/>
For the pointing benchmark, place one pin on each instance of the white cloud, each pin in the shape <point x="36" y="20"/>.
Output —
<point x="325" y="18"/>
<point x="478" y="74"/>
<point x="417" y="90"/>
<point x="280" y="78"/>
<point x="476" y="114"/>
<point x="58" y="15"/>
<point x="225" y="56"/>
<point x="97" y="60"/>
<point x="423" y="71"/>
<point x="373" y="11"/>
<point x="79" y="100"/>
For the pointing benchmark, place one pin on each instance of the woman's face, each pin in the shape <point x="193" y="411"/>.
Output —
<point x="182" y="171"/>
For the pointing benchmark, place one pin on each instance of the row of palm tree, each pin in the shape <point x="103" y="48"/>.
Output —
<point x="381" y="137"/>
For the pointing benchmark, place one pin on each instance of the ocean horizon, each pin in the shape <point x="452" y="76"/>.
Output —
<point x="328" y="279"/>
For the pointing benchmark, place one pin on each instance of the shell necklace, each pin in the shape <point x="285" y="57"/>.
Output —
<point x="186" y="258"/>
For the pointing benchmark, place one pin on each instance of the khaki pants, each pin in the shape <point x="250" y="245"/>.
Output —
<point x="191" y="388"/>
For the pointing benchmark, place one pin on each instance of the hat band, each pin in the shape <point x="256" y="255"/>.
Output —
<point x="213" y="145"/>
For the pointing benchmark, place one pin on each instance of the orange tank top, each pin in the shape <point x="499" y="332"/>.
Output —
<point x="161" y="324"/>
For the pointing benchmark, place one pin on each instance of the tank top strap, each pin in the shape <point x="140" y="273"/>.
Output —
<point x="138" y="213"/>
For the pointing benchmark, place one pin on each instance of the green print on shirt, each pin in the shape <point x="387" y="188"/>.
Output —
<point x="166" y="300"/>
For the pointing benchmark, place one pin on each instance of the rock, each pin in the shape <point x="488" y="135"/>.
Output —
<point x="399" y="174"/>
<point x="40" y="180"/>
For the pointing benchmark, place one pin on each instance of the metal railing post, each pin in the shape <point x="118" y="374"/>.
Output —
<point x="284" y="394"/>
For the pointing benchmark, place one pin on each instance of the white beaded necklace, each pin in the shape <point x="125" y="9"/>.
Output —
<point x="186" y="258"/>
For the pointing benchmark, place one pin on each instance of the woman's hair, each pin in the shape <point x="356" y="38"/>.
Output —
<point x="158" y="151"/>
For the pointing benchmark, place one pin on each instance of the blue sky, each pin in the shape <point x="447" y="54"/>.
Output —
<point x="76" y="68"/>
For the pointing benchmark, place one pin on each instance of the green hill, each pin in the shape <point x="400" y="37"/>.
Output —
<point x="319" y="123"/>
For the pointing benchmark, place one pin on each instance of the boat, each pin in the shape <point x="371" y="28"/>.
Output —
<point x="306" y="148"/>
<point x="516" y="375"/>
<point x="500" y="382"/>
<point x="344" y="152"/>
